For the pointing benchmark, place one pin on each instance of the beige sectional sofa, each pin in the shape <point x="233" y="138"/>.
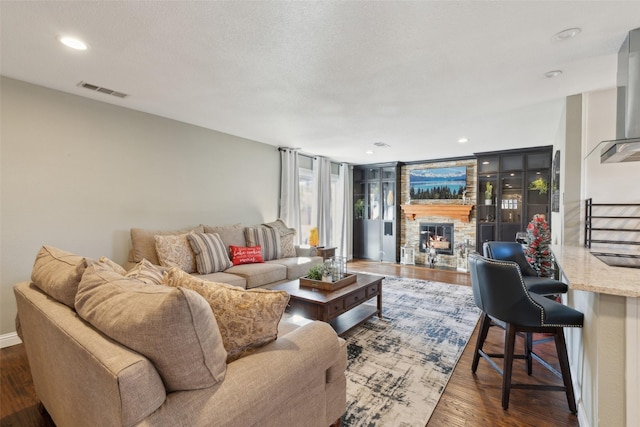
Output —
<point x="106" y="349"/>
<point x="290" y="262"/>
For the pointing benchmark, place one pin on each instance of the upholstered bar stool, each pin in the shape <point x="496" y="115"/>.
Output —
<point x="512" y="251"/>
<point x="500" y="292"/>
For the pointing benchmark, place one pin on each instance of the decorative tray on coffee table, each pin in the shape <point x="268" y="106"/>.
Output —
<point x="328" y="286"/>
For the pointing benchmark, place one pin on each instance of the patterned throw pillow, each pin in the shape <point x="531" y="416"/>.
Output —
<point x="210" y="251"/>
<point x="175" y="251"/>
<point x="288" y="247"/>
<point x="245" y="255"/>
<point x="247" y="319"/>
<point x="267" y="238"/>
<point x="146" y="272"/>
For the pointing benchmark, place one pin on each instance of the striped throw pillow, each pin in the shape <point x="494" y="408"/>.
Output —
<point x="267" y="238"/>
<point x="211" y="253"/>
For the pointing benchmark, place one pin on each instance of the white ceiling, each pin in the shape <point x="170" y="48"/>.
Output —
<point x="330" y="77"/>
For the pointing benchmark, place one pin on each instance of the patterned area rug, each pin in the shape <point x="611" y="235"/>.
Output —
<point x="398" y="366"/>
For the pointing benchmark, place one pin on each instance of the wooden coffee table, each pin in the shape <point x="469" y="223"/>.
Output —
<point x="342" y="308"/>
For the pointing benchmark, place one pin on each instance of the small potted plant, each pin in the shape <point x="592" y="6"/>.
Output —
<point x="540" y="185"/>
<point x="488" y="193"/>
<point x="315" y="272"/>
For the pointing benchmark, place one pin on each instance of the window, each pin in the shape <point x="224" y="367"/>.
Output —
<point x="308" y="198"/>
<point x="306" y="203"/>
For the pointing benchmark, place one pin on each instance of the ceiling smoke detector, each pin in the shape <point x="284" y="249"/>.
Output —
<point x="101" y="89"/>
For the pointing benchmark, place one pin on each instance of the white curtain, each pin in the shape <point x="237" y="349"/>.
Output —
<point x="322" y="205"/>
<point x="290" y="190"/>
<point x="345" y="215"/>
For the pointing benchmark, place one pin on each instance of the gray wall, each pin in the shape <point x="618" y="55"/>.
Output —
<point x="78" y="174"/>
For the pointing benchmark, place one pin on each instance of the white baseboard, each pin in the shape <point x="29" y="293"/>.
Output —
<point x="7" y="340"/>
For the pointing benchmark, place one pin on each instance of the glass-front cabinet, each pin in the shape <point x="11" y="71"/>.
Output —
<point x="512" y="187"/>
<point x="375" y="212"/>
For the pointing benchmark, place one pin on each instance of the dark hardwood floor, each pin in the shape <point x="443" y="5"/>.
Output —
<point x="469" y="400"/>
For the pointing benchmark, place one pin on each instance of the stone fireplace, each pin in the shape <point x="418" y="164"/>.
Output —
<point x="438" y="235"/>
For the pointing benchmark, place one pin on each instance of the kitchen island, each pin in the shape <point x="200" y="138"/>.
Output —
<point x="604" y="355"/>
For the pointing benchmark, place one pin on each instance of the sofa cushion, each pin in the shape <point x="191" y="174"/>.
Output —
<point x="143" y="244"/>
<point x="210" y="251"/>
<point x="247" y="319"/>
<point x="113" y="265"/>
<point x="230" y="234"/>
<point x="175" y="251"/>
<point x="245" y="255"/>
<point x="174" y="328"/>
<point x="146" y="272"/>
<point x="58" y="273"/>
<point x="267" y="238"/>
<point x="259" y="274"/>
<point x="297" y="267"/>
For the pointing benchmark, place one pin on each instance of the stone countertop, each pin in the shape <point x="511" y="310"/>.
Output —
<point x="587" y="273"/>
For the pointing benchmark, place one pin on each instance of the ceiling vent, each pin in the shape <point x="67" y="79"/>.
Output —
<point x="381" y="144"/>
<point x="101" y="89"/>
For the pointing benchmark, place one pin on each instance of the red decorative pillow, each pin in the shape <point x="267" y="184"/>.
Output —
<point x="245" y="255"/>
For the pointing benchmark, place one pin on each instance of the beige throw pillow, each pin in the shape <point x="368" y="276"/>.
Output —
<point x="267" y="238"/>
<point x="146" y="272"/>
<point x="143" y="244"/>
<point x="247" y="319"/>
<point x="211" y="254"/>
<point x="175" y="251"/>
<point x="113" y="265"/>
<point x="58" y="273"/>
<point x="173" y="328"/>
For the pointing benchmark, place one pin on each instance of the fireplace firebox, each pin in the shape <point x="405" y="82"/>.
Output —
<point x="438" y="236"/>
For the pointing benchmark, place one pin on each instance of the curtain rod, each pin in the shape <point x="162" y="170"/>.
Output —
<point x="309" y="156"/>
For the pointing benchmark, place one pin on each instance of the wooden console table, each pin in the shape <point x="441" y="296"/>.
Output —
<point x="326" y="253"/>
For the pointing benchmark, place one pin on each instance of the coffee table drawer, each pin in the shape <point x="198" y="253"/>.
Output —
<point x="372" y="290"/>
<point x="355" y="298"/>
<point x="336" y="307"/>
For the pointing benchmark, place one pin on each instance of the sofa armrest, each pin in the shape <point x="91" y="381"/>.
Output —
<point x="306" y="251"/>
<point x="281" y="383"/>
<point x="81" y="376"/>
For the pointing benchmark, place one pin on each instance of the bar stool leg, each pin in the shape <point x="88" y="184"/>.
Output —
<point x="509" y="348"/>
<point x="563" y="358"/>
<point x="528" y="348"/>
<point x="485" y="324"/>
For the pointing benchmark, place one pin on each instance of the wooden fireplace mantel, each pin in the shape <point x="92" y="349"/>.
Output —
<point x="459" y="212"/>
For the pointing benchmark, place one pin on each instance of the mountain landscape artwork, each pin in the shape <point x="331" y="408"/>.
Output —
<point x="438" y="183"/>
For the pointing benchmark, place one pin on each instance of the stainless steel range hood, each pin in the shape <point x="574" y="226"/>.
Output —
<point x="626" y="146"/>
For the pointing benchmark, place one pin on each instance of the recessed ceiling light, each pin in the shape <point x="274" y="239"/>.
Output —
<point x="552" y="74"/>
<point x="368" y="152"/>
<point x="566" y="34"/>
<point x="463" y="140"/>
<point x="73" y="43"/>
